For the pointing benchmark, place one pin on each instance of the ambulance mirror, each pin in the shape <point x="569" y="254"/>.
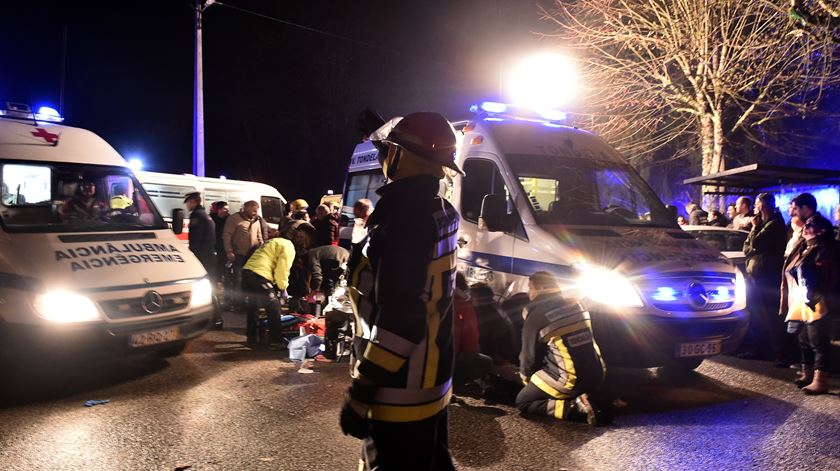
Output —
<point x="494" y="216"/>
<point x="177" y="220"/>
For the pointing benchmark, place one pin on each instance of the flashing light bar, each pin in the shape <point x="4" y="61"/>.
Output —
<point x="46" y="114"/>
<point x="493" y="111"/>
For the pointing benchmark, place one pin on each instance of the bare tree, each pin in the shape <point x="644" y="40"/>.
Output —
<point x="692" y="72"/>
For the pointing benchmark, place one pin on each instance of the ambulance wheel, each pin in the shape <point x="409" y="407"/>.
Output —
<point x="172" y="350"/>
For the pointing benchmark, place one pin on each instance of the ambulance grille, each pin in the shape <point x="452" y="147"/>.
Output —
<point x="127" y="308"/>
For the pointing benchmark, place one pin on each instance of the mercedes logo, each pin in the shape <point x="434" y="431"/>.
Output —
<point x="697" y="295"/>
<point x="152" y="302"/>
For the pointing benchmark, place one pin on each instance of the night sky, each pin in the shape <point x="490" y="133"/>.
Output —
<point x="280" y="102"/>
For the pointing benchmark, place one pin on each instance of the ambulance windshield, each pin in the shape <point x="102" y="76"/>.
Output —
<point x="573" y="191"/>
<point x="59" y="197"/>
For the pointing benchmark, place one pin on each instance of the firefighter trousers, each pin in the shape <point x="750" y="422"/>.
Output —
<point x="533" y="400"/>
<point x="415" y="446"/>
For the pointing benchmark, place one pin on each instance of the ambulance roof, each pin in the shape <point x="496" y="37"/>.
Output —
<point x="218" y="183"/>
<point x="24" y="140"/>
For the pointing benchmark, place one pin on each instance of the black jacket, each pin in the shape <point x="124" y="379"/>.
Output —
<point x="402" y="279"/>
<point x="765" y="248"/>
<point x="202" y="237"/>
<point x="220" y="229"/>
<point x="697" y="217"/>
<point x="324" y="265"/>
<point x="559" y="353"/>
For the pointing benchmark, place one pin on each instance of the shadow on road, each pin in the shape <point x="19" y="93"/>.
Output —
<point x="475" y="435"/>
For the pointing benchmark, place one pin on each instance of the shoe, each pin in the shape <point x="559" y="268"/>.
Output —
<point x="324" y="359"/>
<point x="805" y="376"/>
<point x="819" y="385"/>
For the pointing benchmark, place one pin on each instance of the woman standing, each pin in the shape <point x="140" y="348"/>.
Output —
<point x="765" y="248"/>
<point x="810" y="273"/>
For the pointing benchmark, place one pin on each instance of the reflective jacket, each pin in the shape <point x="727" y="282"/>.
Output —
<point x="559" y="354"/>
<point x="272" y="261"/>
<point x="402" y="279"/>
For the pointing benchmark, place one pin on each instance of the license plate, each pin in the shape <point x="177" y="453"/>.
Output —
<point x="154" y="337"/>
<point x="698" y="349"/>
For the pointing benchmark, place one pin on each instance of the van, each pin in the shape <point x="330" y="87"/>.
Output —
<point x="541" y="195"/>
<point x="167" y="191"/>
<point x="86" y="260"/>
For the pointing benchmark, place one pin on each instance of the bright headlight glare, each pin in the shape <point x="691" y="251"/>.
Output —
<point x="66" y="307"/>
<point x="607" y="287"/>
<point x="740" y="290"/>
<point x="202" y="294"/>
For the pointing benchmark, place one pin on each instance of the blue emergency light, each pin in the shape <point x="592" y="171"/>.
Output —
<point x="45" y="114"/>
<point x="494" y="111"/>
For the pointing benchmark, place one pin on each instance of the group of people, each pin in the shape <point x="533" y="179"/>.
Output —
<point x="793" y="276"/>
<point x="739" y="215"/>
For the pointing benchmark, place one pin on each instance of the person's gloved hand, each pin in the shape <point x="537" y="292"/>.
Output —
<point x="352" y="423"/>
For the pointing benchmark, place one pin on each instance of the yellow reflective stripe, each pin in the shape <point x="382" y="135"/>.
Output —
<point x="582" y="325"/>
<point x="571" y="374"/>
<point x="559" y="409"/>
<point x="544" y="387"/>
<point x="381" y="357"/>
<point x="388" y="413"/>
<point x="435" y="274"/>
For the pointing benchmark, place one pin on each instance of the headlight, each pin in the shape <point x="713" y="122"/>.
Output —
<point x="202" y="294"/>
<point x="65" y="307"/>
<point x="740" y="290"/>
<point x="607" y="287"/>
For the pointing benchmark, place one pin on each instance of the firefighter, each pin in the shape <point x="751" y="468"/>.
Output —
<point x="560" y="362"/>
<point x="402" y="280"/>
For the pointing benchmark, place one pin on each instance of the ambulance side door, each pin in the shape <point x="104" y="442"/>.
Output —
<point x="483" y="256"/>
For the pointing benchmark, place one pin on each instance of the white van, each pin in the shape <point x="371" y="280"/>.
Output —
<point x="86" y="260"/>
<point x="167" y="191"/>
<point x="539" y="195"/>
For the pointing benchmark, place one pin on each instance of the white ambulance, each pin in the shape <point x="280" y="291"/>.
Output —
<point x="86" y="260"/>
<point x="540" y="195"/>
<point x="167" y="191"/>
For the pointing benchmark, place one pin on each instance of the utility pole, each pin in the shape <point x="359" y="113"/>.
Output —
<point x="198" y="96"/>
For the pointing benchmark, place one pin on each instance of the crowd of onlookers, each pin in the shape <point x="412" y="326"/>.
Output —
<point x="793" y="276"/>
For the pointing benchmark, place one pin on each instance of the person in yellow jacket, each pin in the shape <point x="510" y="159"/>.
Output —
<point x="264" y="277"/>
<point x="402" y="279"/>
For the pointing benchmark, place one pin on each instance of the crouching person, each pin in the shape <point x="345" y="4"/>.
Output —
<point x="264" y="277"/>
<point x="560" y="362"/>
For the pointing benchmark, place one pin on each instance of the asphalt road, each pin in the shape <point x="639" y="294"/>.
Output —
<point x="222" y="406"/>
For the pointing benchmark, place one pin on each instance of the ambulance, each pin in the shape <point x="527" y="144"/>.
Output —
<point x="86" y="260"/>
<point x="540" y="195"/>
<point x="167" y="191"/>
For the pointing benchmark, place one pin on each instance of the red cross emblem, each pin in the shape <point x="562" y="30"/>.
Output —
<point x="46" y="135"/>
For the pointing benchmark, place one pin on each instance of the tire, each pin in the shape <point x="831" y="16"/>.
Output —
<point x="172" y="350"/>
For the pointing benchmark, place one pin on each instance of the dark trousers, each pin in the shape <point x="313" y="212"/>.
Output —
<point x="334" y="322"/>
<point x="261" y="293"/>
<point x="533" y="400"/>
<point x="470" y="366"/>
<point x="767" y="331"/>
<point x="815" y="344"/>
<point x="422" y="445"/>
<point x="238" y="288"/>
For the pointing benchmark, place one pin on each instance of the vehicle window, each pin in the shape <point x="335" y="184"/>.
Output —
<point x="272" y="209"/>
<point x="74" y="197"/>
<point x="212" y="195"/>
<point x="482" y="178"/>
<point x="168" y="197"/>
<point x="236" y="200"/>
<point x="574" y="191"/>
<point x="723" y="241"/>
<point x="362" y="185"/>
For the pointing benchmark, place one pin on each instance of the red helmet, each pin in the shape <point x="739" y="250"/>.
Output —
<point x="426" y="134"/>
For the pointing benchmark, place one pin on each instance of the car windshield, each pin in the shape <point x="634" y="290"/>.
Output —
<point x="572" y="191"/>
<point x="722" y="241"/>
<point x="66" y="197"/>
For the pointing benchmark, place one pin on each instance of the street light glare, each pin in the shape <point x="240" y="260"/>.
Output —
<point x="543" y="81"/>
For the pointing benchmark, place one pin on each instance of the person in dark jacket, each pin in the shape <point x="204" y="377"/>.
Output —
<point x="560" y="362"/>
<point x="696" y="215"/>
<point x="202" y="235"/>
<point x="402" y="280"/>
<point x="810" y="279"/>
<point x="219" y="213"/>
<point x="765" y="249"/>
<point x="326" y="225"/>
